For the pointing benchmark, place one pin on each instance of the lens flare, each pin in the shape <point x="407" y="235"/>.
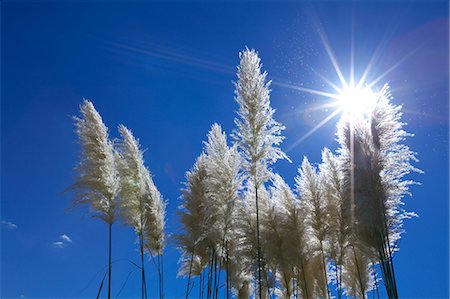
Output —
<point x="356" y="100"/>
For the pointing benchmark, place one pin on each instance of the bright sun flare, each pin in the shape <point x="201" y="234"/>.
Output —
<point x="355" y="100"/>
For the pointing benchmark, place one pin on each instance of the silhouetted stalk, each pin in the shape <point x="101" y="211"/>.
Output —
<point x="386" y="267"/>
<point x="101" y="286"/>
<point x="228" y="270"/>
<point x="324" y="269"/>
<point x="214" y="282"/>
<point x="189" y="275"/>
<point x="389" y="276"/>
<point x="340" y="279"/>
<point x="201" y="286"/>
<point x="208" y="293"/>
<point x="109" y="261"/>
<point x="384" y="271"/>
<point x="293" y="282"/>
<point x="257" y="242"/>
<point x="352" y="200"/>
<point x="337" y="283"/>
<point x="363" y="293"/>
<point x="143" y="283"/>
<point x="160" y="276"/>
<point x="304" y="279"/>
<point x="339" y="272"/>
<point x="267" y="282"/>
<point x="218" y="278"/>
<point x="391" y="265"/>
<point x="286" y="282"/>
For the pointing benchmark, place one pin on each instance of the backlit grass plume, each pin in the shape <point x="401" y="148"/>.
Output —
<point x="283" y="231"/>
<point x="373" y="145"/>
<point x="192" y="241"/>
<point x="223" y="182"/>
<point x="317" y="228"/>
<point x="97" y="183"/>
<point x="247" y="235"/>
<point x="141" y="204"/>
<point x="338" y="213"/>
<point x="258" y="135"/>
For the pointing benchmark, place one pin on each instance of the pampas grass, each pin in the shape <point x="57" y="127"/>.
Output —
<point x="141" y="205"/>
<point x="97" y="183"/>
<point x="258" y="135"/>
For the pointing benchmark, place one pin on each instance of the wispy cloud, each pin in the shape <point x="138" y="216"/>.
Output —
<point x="65" y="238"/>
<point x="64" y="241"/>
<point x="58" y="244"/>
<point x="9" y="225"/>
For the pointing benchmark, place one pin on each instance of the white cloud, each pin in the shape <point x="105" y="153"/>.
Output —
<point x="59" y="244"/>
<point x="64" y="241"/>
<point x="65" y="238"/>
<point x="9" y="225"/>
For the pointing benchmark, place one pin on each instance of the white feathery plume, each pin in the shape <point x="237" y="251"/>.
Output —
<point x="193" y="218"/>
<point x="141" y="204"/>
<point x="240" y="265"/>
<point x="223" y="182"/>
<point x="391" y="162"/>
<point x="155" y="217"/>
<point x="194" y="241"/>
<point x="315" y="209"/>
<point x="393" y="159"/>
<point x="380" y="161"/>
<point x="97" y="183"/>
<point x="208" y="211"/>
<point x="155" y="220"/>
<point x="297" y="280"/>
<point x="275" y="235"/>
<point x="357" y="275"/>
<point x="338" y="213"/>
<point x="354" y="150"/>
<point x="258" y="135"/>
<point x="134" y="200"/>
<point x="246" y="233"/>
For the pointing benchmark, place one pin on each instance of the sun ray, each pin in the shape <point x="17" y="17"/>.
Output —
<point x="334" y="86"/>
<point x="170" y="55"/>
<point x="310" y="132"/>
<point x="370" y="64"/>
<point x="332" y="57"/>
<point x="352" y="48"/>
<point x="308" y="90"/>
<point x="324" y="106"/>
<point x="392" y="68"/>
<point x="312" y="109"/>
<point x="354" y="95"/>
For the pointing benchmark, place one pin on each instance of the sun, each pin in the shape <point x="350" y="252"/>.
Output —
<point x="355" y="100"/>
<point x="349" y="96"/>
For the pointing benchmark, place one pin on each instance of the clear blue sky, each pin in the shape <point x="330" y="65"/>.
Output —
<point x="166" y="71"/>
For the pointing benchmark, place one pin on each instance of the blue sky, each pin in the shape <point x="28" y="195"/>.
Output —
<point x="166" y="71"/>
